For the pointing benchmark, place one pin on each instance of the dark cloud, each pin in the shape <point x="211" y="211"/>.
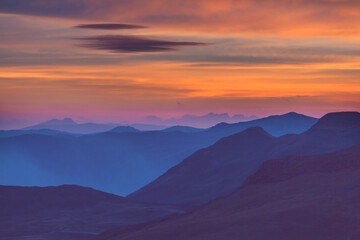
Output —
<point x="109" y="26"/>
<point x="57" y="8"/>
<point x="133" y="44"/>
<point x="304" y="18"/>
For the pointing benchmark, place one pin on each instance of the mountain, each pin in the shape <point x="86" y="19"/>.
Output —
<point x="113" y="162"/>
<point x="212" y="171"/>
<point x="219" y="169"/>
<point x="309" y="197"/>
<point x="148" y="127"/>
<point x="68" y="125"/>
<point x="283" y="169"/>
<point x="68" y="212"/>
<point x="58" y="122"/>
<point x="122" y="129"/>
<point x="183" y="129"/>
<point x="339" y="121"/>
<point x="15" y="133"/>
<point x="127" y="160"/>
<point x="152" y="123"/>
<point x="277" y="125"/>
<point x="204" y="121"/>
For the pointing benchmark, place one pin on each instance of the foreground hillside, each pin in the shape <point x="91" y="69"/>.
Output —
<point x="68" y="212"/>
<point x="314" y="198"/>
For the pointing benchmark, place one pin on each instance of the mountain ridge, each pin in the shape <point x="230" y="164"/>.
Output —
<point x="310" y="205"/>
<point x="217" y="170"/>
<point x="129" y="160"/>
<point x="342" y="120"/>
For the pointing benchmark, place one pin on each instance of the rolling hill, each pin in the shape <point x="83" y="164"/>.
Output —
<point x="68" y="212"/>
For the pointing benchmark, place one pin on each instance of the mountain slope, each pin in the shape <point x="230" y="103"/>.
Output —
<point x="276" y="125"/>
<point x="220" y="168"/>
<point x="127" y="160"/>
<point x="15" y="133"/>
<point x="68" y="212"/>
<point x="183" y="129"/>
<point x="314" y="198"/>
<point x="122" y="129"/>
<point x="212" y="171"/>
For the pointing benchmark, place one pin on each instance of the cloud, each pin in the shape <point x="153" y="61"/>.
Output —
<point x="276" y="17"/>
<point x="109" y="26"/>
<point x="133" y="44"/>
<point x="53" y="8"/>
<point x="83" y="88"/>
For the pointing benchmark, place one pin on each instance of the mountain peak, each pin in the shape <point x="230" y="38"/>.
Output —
<point x="65" y="121"/>
<point x="252" y="133"/>
<point x="339" y="121"/>
<point x="122" y="129"/>
<point x="256" y="130"/>
<point x="294" y="115"/>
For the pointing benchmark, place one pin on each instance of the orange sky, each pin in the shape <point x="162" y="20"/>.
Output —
<point x="249" y="57"/>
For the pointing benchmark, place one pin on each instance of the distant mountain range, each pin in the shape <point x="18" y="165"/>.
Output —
<point x="68" y="212"/>
<point x="285" y="124"/>
<point x="120" y="160"/>
<point x="244" y="183"/>
<point x="204" y="121"/>
<point x="68" y="125"/>
<point x="48" y="132"/>
<point x="123" y="129"/>
<point x="183" y="129"/>
<point x="147" y="127"/>
<point x="302" y="197"/>
<point x="151" y="123"/>
<point x="219" y="169"/>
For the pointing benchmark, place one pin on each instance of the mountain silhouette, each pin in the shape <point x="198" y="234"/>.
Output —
<point x="301" y="197"/>
<point x="15" y="133"/>
<point x="210" y="172"/>
<point x="183" y="129"/>
<point x="57" y="122"/>
<point x="339" y="121"/>
<point x="122" y="129"/>
<point x="68" y="212"/>
<point x="127" y="160"/>
<point x="68" y="125"/>
<point x="276" y="125"/>
<point x="148" y="127"/>
<point x="219" y="169"/>
<point x="203" y="121"/>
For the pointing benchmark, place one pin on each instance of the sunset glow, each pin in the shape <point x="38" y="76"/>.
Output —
<point x="177" y="57"/>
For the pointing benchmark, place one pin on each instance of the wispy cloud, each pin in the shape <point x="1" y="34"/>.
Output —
<point x="109" y="26"/>
<point x="280" y="17"/>
<point x="264" y="55"/>
<point x="133" y="44"/>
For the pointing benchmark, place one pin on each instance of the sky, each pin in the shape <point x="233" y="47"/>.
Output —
<point x="116" y="60"/>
